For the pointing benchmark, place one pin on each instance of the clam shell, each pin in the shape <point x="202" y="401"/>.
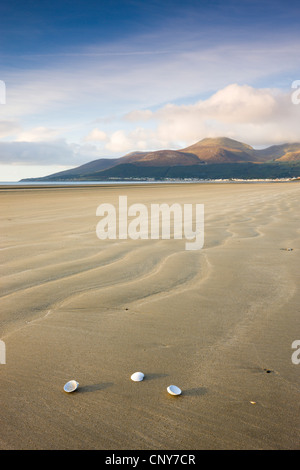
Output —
<point x="137" y="376"/>
<point x="173" y="390"/>
<point x="71" y="386"/>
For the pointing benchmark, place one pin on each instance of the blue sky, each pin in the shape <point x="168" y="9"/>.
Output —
<point x="92" y="79"/>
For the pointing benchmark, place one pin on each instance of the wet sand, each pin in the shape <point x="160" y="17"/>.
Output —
<point x="218" y="322"/>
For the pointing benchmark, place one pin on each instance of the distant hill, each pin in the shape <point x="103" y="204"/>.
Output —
<point x="246" y="170"/>
<point x="276" y="152"/>
<point x="290" y="157"/>
<point x="164" y="158"/>
<point x="208" y="158"/>
<point x="222" y="150"/>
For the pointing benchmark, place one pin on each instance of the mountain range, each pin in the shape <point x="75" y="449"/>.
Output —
<point x="207" y="159"/>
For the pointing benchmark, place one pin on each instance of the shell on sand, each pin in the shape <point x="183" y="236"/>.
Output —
<point x="71" y="386"/>
<point x="137" y="376"/>
<point x="173" y="390"/>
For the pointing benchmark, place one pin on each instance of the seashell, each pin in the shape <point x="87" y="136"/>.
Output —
<point x="173" y="390"/>
<point x="71" y="386"/>
<point x="137" y="376"/>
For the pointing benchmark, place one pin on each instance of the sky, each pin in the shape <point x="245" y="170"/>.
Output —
<point x="82" y="80"/>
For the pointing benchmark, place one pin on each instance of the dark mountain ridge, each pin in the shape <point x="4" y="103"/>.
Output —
<point x="188" y="161"/>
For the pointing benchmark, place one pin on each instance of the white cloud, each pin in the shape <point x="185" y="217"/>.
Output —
<point x="237" y="104"/>
<point x="119" y="142"/>
<point x="255" y="116"/>
<point x="9" y="128"/>
<point x="139" y="115"/>
<point x="96" y="135"/>
<point x="38" y="134"/>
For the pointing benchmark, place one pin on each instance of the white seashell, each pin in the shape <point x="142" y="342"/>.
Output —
<point x="137" y="376"/>
<point x="173" y="390"/>
<point x="71" y="386"/>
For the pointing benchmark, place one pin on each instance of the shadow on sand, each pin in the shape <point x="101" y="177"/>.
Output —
<point x="195" y="392"/>
<point x="94" y="387"/>
<point x="154" y="376"/>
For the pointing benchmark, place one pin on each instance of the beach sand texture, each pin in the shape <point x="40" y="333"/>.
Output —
<point x="218" y="322"/>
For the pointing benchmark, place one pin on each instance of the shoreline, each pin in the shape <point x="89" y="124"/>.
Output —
<point x="48" y="185"/>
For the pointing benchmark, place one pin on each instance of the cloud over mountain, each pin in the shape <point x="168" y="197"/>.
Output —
<point x="260" y="116"/>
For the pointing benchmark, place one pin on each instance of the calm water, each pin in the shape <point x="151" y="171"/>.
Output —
<point x="78" y="183"/>
<point x="85" y="183"/>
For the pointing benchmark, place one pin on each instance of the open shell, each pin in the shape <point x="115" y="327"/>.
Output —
<point x="137" y="376"/>
<point x="71" y="386"/>
<point x="173" y="390"/>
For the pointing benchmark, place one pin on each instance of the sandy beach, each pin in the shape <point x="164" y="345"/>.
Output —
<point x="217" y="322"/>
